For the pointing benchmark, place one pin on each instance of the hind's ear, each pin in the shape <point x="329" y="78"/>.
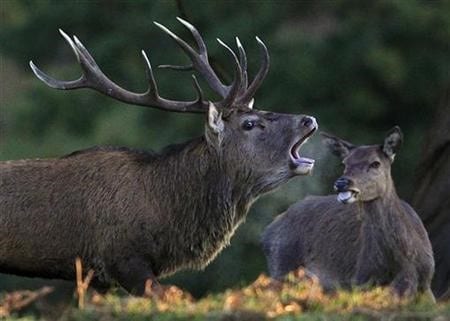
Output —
<point x="392" y="142"/>
<point x="337" y="146"/>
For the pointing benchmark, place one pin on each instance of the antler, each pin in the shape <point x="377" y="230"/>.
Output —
<point x="201" y="64"/>
<point x="94" y="78"/>
<point x="248" y="94"/>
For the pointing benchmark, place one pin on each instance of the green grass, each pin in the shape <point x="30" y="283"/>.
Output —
<point x="299" y="299"/>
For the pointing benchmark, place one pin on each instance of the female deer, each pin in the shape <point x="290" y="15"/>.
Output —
<point x="368" y="235"/>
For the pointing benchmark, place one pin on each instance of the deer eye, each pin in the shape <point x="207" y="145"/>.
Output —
<point x="248" y="124"/>
<point x="375" y="164"/>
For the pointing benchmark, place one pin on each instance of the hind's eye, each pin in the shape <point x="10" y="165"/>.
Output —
<point x="375" y="165"/>
<point x="248" y="124"/>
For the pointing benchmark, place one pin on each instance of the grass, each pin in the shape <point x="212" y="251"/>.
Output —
<point x="298" y="298"/>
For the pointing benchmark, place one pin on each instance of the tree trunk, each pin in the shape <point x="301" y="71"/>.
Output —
<point x="432" y="197"/>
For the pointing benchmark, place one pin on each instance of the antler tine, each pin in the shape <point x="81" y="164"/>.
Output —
<point x="198" y="89"/>
<point x="61" y="84"/>
<point x="177" y="67"/>
<point x="198" y="38"/>
<point x="86" y="62"/>
<point x="200" y="43"/>
<point x="247" y="96"/>
<point x="236" y="86"/>
<point x="203" y="52"/>
<point x="84" y="54"/>
<point x="199" y="60"/>
<point x="153" y="87"/>
<point x="52" y="82"/>
<point x="243" y="62"/>
<point x="70" y="42"/>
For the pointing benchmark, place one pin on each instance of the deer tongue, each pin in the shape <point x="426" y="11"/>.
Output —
<point x="304" y="160"/>
<point x="345" y="197"/>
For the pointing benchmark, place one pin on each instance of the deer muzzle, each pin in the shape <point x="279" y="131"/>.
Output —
<point x="347" y="194"/>
<point x="303" y="165"/>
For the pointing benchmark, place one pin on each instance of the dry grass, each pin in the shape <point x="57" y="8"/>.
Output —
<point x="18" y="300"/>
<point x="298" y="298"/>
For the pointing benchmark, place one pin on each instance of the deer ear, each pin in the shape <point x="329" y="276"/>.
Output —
<point x="392" y="142"/>
<point x="337" y="146"/>
<point x="215" y="122"/>
<point x="214" y="126"/>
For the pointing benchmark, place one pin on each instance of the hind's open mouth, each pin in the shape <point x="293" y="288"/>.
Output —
<point x="348" y="196"/>
<point x="301" y="165"/>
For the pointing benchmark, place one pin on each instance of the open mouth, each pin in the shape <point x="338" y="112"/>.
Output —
<point x="348" y="197"/>
<point x="303" y="165"/>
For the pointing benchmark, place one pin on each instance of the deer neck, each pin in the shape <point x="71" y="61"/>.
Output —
<point x="381" y="210"/>
<point x="210" y="189"/>
<point x="382" y="207"/>
<point x="383" y="230"/>
<point x="208" y="207"/>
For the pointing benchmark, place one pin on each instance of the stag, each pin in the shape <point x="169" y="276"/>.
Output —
<point x="135" y="216"/>
<point x="368" y="235"/>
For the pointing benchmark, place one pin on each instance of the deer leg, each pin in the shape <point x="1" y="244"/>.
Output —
<point x="425" y="277"/>
<point x="99" y="286"/>
<point x="429" y="295"/>
<point x="363" y="276"/>
<point x="282" y="261"/>
<point x="367" y="271"/>
<point x="135" y="276"/>
<point x="405" y="283"/>
<point x="279" y="271"/>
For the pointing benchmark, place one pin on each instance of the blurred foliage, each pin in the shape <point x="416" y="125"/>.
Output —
<point x="360" y="67"/>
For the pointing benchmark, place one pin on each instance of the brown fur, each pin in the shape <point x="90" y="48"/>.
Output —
<point x="379" y="239"/>
<point x="134" y="215"/>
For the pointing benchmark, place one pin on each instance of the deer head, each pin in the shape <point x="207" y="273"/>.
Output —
<point x="367" y="172"/>
<point x="254" y="140"/>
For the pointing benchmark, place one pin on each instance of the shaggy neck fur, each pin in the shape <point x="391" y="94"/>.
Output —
<point x="213" y="198"/>
<point x="384" y="232"/>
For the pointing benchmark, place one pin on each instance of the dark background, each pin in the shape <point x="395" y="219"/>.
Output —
<point x="359" y="67"/>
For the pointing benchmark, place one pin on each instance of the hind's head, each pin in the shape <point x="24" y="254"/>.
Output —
<point x="367" y="172"/>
